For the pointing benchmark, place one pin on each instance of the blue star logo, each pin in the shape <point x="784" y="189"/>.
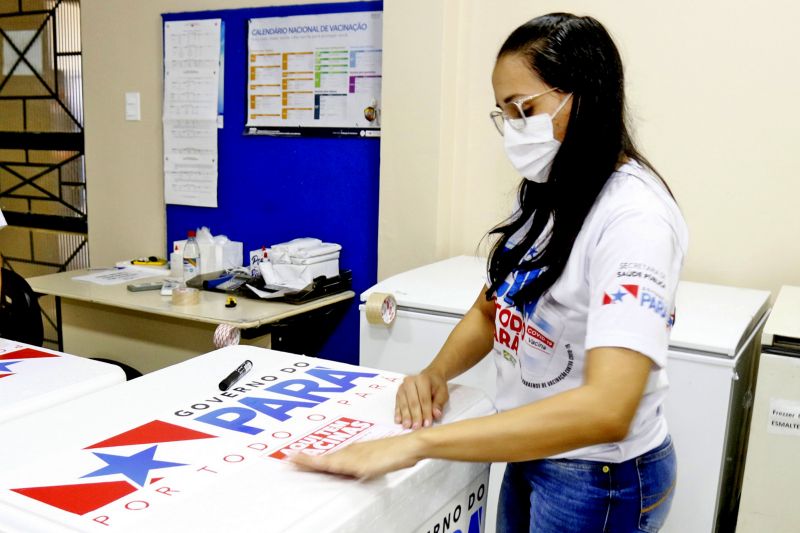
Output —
<point x="4" y="365"/>
<point x="136" y="467"/>
<point x="618" y="295"/>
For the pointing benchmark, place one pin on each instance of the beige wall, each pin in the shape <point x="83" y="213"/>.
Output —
<point x="125" y="181"/>
<point x="712" y="89"/>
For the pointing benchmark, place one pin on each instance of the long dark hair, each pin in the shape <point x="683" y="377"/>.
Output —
<point x="577" y="55"/>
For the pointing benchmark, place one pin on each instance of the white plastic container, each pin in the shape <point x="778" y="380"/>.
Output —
<point x="176" y="264"/>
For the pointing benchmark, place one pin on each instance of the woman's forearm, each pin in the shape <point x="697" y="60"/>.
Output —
<point x="468" y="343"/>
<point x="567" y="421"/>
<point x="600" y="410"/>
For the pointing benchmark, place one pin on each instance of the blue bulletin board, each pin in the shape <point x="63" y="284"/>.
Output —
<point x="273" y="189"/>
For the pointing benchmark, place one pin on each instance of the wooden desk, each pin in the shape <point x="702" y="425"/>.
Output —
<point x="144" y="330"/>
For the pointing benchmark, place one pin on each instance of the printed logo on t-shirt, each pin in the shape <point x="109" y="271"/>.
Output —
<point x="544" y="329"/>
<point x="508" y="327"/>
<point x="539" y="340"/>
<point x="619" y="295"/>
<point x="648" y="292"/>
<point x="537" y="328"/>
<point x="509" y="324"/>
<point x="655" y="303"/>
<point x="546" y="360"/>
<point x="644" y="297"/>
<point x="642" y="272"/>
<point x="544" y="380"/>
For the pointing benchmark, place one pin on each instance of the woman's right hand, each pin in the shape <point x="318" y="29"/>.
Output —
<point x="421" y="399"/>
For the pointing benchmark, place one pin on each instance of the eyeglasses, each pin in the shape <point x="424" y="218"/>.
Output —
<point x="515" y="115"/>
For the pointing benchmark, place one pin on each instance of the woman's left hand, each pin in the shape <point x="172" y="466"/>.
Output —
<point x="366" y="459"/>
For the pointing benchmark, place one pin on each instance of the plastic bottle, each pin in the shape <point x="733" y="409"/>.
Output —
<point x="267" y="272"/>
<point x="191" y="257"/>
<point x="176" y="264"/>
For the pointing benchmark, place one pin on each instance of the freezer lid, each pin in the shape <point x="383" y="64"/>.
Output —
<point x="783" y="324"/>
<point x="448" y="286"/>
<point x="715" y="318"/>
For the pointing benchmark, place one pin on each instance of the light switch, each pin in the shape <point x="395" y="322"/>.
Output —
<point x="133" y="108"/>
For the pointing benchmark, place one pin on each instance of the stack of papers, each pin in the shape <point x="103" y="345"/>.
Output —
<point x="119" y="275"/>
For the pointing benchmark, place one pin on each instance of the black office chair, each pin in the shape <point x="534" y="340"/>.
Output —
<point x="20" y="315"/>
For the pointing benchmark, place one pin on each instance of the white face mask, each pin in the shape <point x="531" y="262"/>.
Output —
<point x="532" y="149"/>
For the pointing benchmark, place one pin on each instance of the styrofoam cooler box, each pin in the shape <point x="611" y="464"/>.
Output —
<point x="308" y="273"/>
<point x="34" y="378"/>
<point x="170" y="452"/>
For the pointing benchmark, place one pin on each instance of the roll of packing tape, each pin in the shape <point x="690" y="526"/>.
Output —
<point x="227" y="335"/>
<point x="185" y="296"/>
<point x="381" y="308"/>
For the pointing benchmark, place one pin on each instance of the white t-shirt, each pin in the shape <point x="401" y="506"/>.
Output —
<point x="617" y="289"/>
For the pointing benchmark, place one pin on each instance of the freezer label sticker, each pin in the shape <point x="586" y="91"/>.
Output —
<point x="784" y="417"/>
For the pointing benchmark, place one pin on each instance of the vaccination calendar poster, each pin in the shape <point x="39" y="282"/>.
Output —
<point x="315" y="75"/>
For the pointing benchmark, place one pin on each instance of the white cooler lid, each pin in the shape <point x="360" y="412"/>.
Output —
<point x="715" y="318"/>
<point x="448" y="286"/>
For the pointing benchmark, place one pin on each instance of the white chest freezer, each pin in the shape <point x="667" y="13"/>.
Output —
<point x="772" y="474"/>
<point x="713" y="348"/>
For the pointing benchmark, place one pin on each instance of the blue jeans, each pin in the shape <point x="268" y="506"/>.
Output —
<point x="569" y="496"/>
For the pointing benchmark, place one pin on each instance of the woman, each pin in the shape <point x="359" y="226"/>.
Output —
<point x="576" y="312"/>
